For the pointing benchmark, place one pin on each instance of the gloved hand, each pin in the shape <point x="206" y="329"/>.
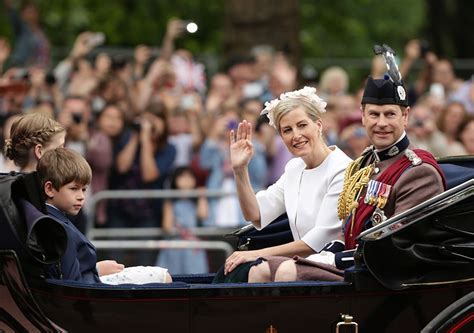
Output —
<point x="323" y="257"/>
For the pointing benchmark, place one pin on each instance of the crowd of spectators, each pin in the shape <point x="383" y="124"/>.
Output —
<point x="136" y="120"/>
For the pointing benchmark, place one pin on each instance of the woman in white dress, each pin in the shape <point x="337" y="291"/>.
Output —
<point x="307" y="191"/>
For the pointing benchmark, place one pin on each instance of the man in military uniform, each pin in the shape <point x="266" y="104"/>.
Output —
<point x="389" y="177"/>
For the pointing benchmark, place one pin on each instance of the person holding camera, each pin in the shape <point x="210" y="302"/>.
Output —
<point x="75" y="116"/>
<point x="143" y="160"/>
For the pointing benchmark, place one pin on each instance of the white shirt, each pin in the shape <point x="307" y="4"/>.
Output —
<point x="309" y="197"/>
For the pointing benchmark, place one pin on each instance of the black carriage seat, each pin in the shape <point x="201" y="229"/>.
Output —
<point x="17" y="299"/>
<point x="276" y="233"/>
<point x="37" y="238"/>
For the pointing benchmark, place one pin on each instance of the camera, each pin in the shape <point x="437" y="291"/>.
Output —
<point x="136" y="126"/>
<point x="77" y="118"/>
<point x="50" y="79"/>
<point x="424" y="47"/>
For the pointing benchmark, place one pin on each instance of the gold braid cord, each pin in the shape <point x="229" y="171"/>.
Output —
<point x="355" y="179"/>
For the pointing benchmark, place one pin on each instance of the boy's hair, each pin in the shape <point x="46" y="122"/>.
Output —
<point x="62" y="166"/>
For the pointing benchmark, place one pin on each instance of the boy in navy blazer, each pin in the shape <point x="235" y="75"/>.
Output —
<point x="65" y="176"/>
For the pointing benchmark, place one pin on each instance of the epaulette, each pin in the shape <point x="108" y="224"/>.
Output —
<point x="413" y="157"/>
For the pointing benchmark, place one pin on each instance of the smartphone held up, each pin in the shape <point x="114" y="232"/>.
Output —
<point x="96" y="39"/>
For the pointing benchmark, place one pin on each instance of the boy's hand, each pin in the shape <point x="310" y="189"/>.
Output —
<point x="107" y="267"/>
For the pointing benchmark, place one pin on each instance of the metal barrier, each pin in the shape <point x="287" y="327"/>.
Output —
<point x="146" y="244"/>
<point x="120" y="233"/>
<point x="163" y="244"/>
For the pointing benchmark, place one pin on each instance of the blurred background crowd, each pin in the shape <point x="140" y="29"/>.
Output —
<point x="145" y="119"/>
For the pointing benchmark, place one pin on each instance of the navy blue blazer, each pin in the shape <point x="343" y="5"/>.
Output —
<point x="79" y="261"/>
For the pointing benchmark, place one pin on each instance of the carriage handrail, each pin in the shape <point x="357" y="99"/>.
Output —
<point x="144" y="194"/>
<point x="163" y="244"/>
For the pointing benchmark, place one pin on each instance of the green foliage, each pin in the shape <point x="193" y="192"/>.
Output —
<point x="345" y="29"/>
<point x="349" y="28"/>
<point x="329" y="29"/>
<point x="127" y="23"/>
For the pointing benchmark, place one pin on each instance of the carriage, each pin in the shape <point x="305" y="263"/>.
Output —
<point x="413" y="272"/>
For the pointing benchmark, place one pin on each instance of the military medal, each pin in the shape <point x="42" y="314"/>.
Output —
<point x="383" y="197"/>
<point x="369" y="196"/>
<point x="377" y="194"/>
<point x="378" y="217"/>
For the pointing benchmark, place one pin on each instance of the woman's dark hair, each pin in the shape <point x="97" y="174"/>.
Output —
<point x="441" y="123"/>
<point x="158" y="110"/>
<point x="177" y="172"/>
<point x="467" y="120"/>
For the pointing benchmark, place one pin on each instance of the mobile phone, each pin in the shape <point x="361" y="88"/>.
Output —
<point x="96" y="39"/>
<point x="437" y="89"/>
<point x="424" y="47"/>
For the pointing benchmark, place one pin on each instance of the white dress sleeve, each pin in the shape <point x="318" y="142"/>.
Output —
<point x="271" y="202"/>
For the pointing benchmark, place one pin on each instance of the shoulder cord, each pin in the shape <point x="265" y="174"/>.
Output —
<point x="355" y="179"/>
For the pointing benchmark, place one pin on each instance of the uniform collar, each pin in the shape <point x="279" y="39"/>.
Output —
<point x="395" y="149"/>
<point x="384" y="154"/>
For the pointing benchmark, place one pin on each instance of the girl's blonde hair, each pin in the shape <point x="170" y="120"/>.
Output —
<point x="28" y="131"/>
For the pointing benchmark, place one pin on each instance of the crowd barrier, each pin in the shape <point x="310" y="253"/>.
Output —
<point x="149" y="238"/>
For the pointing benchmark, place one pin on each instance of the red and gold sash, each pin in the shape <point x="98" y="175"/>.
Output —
<point x="355" y="224"/>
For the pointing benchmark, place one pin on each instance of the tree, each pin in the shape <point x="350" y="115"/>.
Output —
<point x="248" y="23"/>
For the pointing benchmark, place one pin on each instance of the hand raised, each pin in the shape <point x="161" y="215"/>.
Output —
<point x="241" y="147"/>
